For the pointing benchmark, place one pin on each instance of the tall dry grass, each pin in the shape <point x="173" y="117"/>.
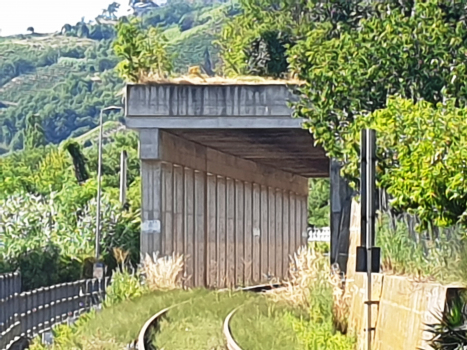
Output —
<point x="163" y="273"/>
<point x="311" y="277"/>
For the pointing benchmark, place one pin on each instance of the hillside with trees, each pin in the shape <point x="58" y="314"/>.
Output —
<point x="65" y="78"/>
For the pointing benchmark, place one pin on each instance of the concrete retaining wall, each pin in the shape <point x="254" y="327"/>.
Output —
<point x="404" y="307"/>
<point x="235" y="221"/>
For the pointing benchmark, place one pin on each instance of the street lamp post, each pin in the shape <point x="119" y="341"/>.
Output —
<point x="99" y="191"/>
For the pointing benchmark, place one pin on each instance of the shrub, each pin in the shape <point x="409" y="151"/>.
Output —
<point x="314" y="286"/>
<point x="125" y="286"/>
<point x="50" y="242"/>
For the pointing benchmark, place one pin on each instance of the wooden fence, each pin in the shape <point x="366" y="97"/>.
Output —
<point x="28" y="314"/>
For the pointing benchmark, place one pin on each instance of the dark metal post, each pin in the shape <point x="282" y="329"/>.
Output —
<point x="363" y="187"/>
<point x="370" y="221"/>
<point x="123" y="177"/>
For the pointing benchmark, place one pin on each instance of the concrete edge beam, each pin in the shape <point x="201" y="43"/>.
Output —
<point x="214" y="122"/>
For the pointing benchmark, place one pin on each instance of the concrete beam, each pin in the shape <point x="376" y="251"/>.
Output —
<point x="162" y="146"/>
<point x="208" y="100"/>
<point x="215" y="122"/>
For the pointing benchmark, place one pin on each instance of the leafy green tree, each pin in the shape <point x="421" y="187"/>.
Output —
<point x="143" y="52"/>
<point x="34" y="133"/>
<point x="112" y="9"/>
<point x="83" y="30"/>
<point x="67" y="28"/>
<point x="421" y="151"/>
<point x="79" y="161"/>
<point x="417" y="52"/>
<point x="319" y="203"/>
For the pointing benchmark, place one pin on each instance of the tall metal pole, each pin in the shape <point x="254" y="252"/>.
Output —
<point x="99" y="176"/>
<point x="363" y="186"/>
<point x="123" y="179"/>
<point x="370" y="222"/>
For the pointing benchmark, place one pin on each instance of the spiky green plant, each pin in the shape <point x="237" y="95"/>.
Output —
<point x="450" y="330"/>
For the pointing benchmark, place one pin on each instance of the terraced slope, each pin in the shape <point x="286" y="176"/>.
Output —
<point x="53" y="76"/>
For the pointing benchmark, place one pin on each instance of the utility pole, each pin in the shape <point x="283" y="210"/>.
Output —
<point x="368" y="256"/>
<point x="98" y="267"/>
<point x="123" y="177"/>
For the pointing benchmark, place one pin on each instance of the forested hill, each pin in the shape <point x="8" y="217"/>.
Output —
<point x="62" y="80"/>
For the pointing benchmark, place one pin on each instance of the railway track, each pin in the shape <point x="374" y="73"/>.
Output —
<point x="144" y="341"/>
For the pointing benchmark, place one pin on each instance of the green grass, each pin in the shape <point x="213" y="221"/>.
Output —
<point x="263" y="324"/>
<point x="115" y="327"/>
<point x="411" y="253"/>
<point x="197" y="324"/>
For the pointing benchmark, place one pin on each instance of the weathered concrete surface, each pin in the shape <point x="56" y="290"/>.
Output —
<point x="235" y="221"/>
<point x="235" y="101"/>
<point x="405" y="305"/>
<point x="248" y="121"/>
<point x="224" y="145"/>
<point x="357" y="317"/>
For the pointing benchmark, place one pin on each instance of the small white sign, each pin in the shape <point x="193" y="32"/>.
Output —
<point x="256" y="232"/>
<point x="151" y="226"/>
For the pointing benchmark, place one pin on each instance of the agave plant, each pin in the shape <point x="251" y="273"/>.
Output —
<point x="450" y="332"/>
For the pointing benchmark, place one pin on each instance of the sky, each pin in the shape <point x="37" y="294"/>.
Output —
<point x="47" y="16"/>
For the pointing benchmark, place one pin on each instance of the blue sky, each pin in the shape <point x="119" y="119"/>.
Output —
<point x="49" y="15"/>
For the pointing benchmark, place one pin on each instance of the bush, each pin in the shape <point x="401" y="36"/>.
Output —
<point x="313" y="288"/>
<point x="125" y="286"/>
<point x="49" y="242"/>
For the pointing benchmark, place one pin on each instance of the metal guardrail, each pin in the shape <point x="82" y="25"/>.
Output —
<point x="10" y="283"/>
<point x="31" y="313"/>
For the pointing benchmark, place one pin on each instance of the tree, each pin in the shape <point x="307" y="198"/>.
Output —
<point x="112" y="9"/>
<point x="319" y="203"/>
<point x="208" y="68"/>
<point x="416" y="52"/>
<point x="143" y="52"/>
<point x="30" y="30"/>
<point x="83" y="31"/>
<point x="66" y="29"/>
<point x="79" y="160"/>
<point x="186" y="22"/>
<point x="34" y="133"/>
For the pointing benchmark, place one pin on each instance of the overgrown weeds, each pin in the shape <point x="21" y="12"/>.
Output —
<point x="318" y="288"/>
<point x="264" y="324"/>
<point x="197" y="323"/>
<point x="423" y="255"/>
<point x="163" y="273"/>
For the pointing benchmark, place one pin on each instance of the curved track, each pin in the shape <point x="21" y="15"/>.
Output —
<point x="231" y="344"/>
<point x="144" y="337"/>
<point x="144" y="340"/>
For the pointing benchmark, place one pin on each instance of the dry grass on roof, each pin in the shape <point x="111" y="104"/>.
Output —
<point x="202" y="79"/>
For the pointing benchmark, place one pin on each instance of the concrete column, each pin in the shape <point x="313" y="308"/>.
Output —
<point x="151" y="199"/>
<point x="341" y="201"/>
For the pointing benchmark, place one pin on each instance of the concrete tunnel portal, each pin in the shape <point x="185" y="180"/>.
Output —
<point x="225" y="173"/>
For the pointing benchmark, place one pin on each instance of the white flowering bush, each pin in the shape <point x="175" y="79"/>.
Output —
<point x="49" y="244"/>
